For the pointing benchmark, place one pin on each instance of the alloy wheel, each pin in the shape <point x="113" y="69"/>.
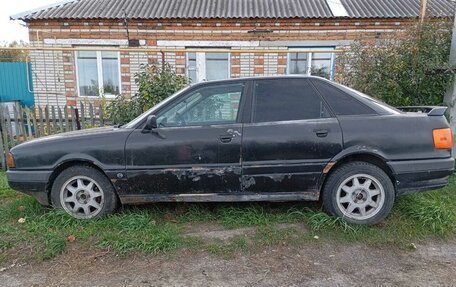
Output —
<point x="360" y="197"/>
<point x="82" y="197"/>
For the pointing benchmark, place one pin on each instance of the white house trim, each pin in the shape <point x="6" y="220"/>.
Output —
<point x="101" y="42"/>
<point x="171" y="43"/>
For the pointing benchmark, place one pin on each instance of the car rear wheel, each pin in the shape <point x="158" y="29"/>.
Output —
<point x="359" y="192"/>
<point x="84" y="193"/>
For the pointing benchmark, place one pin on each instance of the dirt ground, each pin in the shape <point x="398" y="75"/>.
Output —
<point x="322" y="264"/>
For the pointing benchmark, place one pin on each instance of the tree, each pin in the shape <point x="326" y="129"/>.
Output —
<point x="408" y="69"/>
<point x="13" y="55"/>
<point x="155" y="84"/>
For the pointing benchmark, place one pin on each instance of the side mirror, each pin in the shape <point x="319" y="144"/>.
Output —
<point x="151" y="123"/>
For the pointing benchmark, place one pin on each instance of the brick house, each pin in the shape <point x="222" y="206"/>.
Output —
<point x="203" y="39"/>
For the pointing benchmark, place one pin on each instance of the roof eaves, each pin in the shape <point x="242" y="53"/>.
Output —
<point x="23" y="15"/>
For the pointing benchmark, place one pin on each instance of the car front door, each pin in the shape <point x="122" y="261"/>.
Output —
<point x="290" y="138"/>
<point x="196" y="147"/>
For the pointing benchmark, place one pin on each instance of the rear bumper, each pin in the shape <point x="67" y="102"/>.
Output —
<point x="421" y="175"/>
<point x="30" y="182"/>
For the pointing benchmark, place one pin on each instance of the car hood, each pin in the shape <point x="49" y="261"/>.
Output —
<point x="70" y="135"/>
<point x="104" y="146"/>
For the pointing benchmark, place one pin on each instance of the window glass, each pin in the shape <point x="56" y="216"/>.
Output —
<point x="87" y="73"/>
<point x="191" y="67"/>
<point x="287" y="99"/>
<point x="217" y="66"/>
<point x="110" y="69"/>
<point x="208" y="66"/>
<point x="321" y="65"/>
<point x="98" y="72"/>
<point x="311" y="63"/>
<point x="207" y="105"/>
<point x="298" y="63"/>
<point x="340" y="102"/>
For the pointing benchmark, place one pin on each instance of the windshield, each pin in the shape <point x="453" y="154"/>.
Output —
<point x="144" y="115"/>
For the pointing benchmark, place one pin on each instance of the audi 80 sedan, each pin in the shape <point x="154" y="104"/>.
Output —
<point x="253" y="139"/>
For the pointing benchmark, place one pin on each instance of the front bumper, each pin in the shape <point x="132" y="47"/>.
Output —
<point x="421" y="175"/>
<point x="33" y="183"/>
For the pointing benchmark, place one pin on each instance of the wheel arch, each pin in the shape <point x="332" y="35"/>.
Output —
<point x="66" y="164"/>
<point x="364" y="156"/>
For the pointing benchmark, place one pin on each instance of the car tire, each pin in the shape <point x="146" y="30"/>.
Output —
<point x="84" y="192"/>
<point x="359" y="192"/>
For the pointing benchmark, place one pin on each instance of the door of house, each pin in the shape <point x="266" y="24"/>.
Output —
<point x="202" y="66"/>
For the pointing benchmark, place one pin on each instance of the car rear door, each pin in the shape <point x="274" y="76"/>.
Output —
<point x="195" y="149"/>
<point x="290" y="138"/>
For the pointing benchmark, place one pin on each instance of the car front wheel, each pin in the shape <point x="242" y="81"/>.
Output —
<point x="359" y="192"/>
<point x="84" y="193"/>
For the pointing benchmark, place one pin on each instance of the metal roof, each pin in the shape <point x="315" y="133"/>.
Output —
<point x="396" y="9"/>
<point x="234" y="9"/>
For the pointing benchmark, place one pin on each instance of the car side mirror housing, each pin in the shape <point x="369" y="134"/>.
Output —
<point x="151" y="123"/>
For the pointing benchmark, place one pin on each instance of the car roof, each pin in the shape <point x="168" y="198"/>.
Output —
<point x="378" y="106"/>
<point x="257" y="78"/>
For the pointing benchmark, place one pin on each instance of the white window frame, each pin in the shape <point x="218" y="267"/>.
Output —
<point x="309" y="59"/>
<point x="200" y="65"/>
<point x="99" y="74"/>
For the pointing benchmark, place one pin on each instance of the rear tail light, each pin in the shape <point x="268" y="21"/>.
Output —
<point x="443" y="138"/>
<point x="10" y="163"/>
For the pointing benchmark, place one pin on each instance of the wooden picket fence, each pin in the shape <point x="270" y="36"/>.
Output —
<point x="19" y="124"/>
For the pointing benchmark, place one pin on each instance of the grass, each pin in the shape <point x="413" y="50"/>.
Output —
<point x="46" y="233"/>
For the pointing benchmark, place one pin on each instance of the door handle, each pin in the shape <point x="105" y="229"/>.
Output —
<point x="226" y="138"/>
<point x="321" y="133"/>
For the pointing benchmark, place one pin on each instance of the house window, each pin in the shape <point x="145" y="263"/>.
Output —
<point x="208" y="66"/>
<point x="312" y="63"/>
<point x="98" y="73"/>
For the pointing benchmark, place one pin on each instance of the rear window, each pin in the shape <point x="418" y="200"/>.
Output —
<point x="340" y="102"/>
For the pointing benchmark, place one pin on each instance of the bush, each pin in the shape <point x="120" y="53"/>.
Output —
<point x="403" y="70"/>
<point x="155" y="84"/>
<point x="122" y="110"/>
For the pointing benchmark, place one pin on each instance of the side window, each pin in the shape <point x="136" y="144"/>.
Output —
<point x="285" y="100"/>
<point x="340" y="102"/>
<point x="205" y="106"/>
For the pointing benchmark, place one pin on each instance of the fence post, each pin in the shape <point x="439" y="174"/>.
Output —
<point x="92" y="119"/>
<point x="54" y="120"/>
<point x="10" y="126"/>
<point x="2" y="153"/>
<point x="3" y="138"/>
<point x="20" y="123"/>
<point x="83" y="116"/>
<point x="48" y="124"/>
<point x="76" y="113"/>
<point x="16" y="122"/>
<point x="65" y="114"/>
<point x="101" y="116"/>
<point x="59" y="112"/>
<point x="41" y="122"/>
<point x="29" y="127"/>
<point x="35" y="126"/>
<point x="73" y="118"/>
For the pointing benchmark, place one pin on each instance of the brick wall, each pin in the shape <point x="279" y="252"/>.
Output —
<point x="55" y="75"/>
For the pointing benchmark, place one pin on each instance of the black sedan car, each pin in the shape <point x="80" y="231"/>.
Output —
<point x="253" y="139"/>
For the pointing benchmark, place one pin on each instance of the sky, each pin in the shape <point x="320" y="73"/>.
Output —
<point x="13" y="30"/>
